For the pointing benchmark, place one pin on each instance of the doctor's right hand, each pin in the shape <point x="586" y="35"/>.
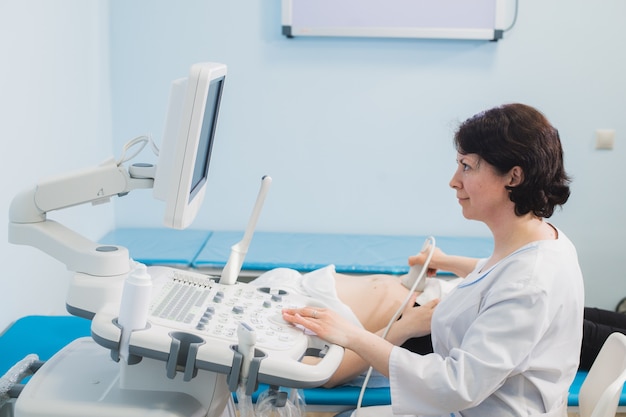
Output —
<point x="324" y="322"/>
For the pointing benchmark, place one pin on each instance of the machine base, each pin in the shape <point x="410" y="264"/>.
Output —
<point x="82" y="380"/>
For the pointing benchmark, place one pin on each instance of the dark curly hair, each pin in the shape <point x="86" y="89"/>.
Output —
<point x="519" y="135"/>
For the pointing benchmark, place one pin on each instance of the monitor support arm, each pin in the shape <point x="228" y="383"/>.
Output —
<point x="28" y="224"/>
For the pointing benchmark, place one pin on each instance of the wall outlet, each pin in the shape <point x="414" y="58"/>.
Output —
<point x="605" y="139"/>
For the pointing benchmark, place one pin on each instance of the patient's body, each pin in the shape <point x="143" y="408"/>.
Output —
<point x="367" y="300"/>
<point x="370" y="301"/>
<point x="374" y="299"/>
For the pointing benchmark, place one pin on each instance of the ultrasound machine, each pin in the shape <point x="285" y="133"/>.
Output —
<point x="164" y="341"/>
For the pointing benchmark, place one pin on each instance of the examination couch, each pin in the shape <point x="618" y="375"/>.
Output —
<point x="208" y="252"/>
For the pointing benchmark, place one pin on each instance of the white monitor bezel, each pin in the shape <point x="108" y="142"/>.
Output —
<point x="179" y="147"/>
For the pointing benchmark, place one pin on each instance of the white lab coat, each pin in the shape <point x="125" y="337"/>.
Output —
<point x="506" y="341"/>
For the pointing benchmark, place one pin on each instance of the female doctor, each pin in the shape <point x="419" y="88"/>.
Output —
<point x="507" y="340"/>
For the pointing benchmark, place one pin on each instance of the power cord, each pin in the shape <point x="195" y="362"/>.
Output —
<point x="142" y="141"/>
<point x="515" y="13"/>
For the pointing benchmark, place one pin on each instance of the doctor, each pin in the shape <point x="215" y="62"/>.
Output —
<point x="507" y="340"/>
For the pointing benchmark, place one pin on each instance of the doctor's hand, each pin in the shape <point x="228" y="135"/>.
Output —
<point x="435" y="261"/>
<point x="459" y="265"/>
<point x="414" y="322"/>
<point x="324" y="322"/>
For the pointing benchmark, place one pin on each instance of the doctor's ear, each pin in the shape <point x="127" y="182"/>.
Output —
<point x="516" y="176"/>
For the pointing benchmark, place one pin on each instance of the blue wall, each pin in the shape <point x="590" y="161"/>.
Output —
<point x="357" y="132"/>
<point x="54" y="117"/>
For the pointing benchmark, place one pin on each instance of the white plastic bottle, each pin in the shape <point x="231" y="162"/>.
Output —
<point x="135" y="305"/>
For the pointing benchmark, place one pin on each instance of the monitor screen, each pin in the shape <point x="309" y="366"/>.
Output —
<point x="203" y="157"/>
<point x="185" y="151"/>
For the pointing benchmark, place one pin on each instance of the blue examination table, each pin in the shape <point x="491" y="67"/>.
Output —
<point x="350" y="253"/>
<point x="209" y="250"/>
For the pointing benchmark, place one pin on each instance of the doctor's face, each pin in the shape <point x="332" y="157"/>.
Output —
<point x="480" y="189"/>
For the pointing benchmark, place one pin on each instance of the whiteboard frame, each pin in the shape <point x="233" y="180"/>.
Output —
<point x="492" y="34"/>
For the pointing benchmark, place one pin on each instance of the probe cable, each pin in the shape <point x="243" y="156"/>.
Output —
<point x="430" y="245"/>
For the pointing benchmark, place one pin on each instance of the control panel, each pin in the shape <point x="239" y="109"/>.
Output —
<point x="193" y="324"/>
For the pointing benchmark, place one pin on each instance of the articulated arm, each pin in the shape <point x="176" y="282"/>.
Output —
<point x="28" y="224"/>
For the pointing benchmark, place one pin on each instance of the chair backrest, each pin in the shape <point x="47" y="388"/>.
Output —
<point x="600" y="392"/>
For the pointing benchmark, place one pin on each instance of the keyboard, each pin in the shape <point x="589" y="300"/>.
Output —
<point x="198" y="303"/>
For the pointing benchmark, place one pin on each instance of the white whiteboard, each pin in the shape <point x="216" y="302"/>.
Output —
<point x="438" y="19"/>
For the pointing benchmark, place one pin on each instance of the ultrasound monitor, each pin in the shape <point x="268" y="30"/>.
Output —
<point x="183" y="165"/>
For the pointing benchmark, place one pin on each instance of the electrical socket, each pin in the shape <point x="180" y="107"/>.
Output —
<point x="605" y="139"/>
